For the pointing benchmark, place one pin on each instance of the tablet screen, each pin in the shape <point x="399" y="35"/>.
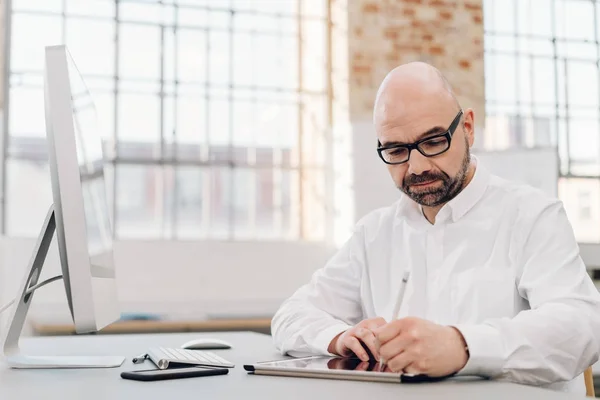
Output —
<point x="329" y="363"/>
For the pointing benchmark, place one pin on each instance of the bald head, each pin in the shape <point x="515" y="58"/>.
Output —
<point x="409" y="85"/>
<point x="415" y="105"/>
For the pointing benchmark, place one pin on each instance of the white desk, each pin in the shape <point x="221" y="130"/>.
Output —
<point x="96" y="384"/>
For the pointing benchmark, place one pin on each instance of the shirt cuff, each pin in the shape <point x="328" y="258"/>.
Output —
<point x="485" y="350"/>
<point x="324" y="338"/>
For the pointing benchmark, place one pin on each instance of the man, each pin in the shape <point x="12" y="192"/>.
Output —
<point x="496" y="286"/>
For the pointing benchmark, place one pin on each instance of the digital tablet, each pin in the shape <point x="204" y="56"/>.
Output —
<point x="334" y="368"/>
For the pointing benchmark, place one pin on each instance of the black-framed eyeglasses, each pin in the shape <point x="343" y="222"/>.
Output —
<point x="429" y="147"/>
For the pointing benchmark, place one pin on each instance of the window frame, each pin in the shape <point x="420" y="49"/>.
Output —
<point x="166" y="145"/>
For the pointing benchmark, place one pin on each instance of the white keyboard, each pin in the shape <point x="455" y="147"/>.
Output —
<point x="163" y="356"/>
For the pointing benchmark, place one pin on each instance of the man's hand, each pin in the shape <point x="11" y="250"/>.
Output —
<point x="418" y="346"/>
<point x="349" y="342"/>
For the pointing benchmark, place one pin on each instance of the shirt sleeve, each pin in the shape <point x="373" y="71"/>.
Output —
<point x="328" y="305"/>
<point x="558" y="337"/>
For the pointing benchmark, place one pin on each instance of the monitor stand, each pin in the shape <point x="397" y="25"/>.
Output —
<point x="14" y="357"/>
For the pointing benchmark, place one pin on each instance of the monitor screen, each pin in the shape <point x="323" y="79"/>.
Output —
<point x="91" y="168"/>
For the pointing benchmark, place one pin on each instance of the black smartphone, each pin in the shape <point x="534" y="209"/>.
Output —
<point x="175" y="373"/>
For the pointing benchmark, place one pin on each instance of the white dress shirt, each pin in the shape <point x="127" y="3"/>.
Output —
<point x="500" y="263"/>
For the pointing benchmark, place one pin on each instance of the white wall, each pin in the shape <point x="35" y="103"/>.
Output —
<point x="373" y="185"/>
<point x="590" y="253"/>
<point x="181" y="278"/>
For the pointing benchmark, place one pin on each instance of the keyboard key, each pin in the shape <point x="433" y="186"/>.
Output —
<point x="183" y="354"/>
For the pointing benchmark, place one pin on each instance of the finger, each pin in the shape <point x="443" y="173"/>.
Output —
<point x="375" y="323"/>
<point x="400" y="362"/>
<point x="389" y="331"/>
<point x="368" y="338"/>
<point x="397" y="345"/>
<point x="373" y="326"/>
<point x="386" y="368"/>
<point x="363" y="366"/>
<point x="354" y="345"/>
<point x="378" y="349"/>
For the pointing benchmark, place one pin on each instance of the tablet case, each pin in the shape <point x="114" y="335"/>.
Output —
<point x="261" y="369"/>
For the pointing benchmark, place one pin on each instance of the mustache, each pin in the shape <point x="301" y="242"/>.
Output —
<point x="424" y="177"/>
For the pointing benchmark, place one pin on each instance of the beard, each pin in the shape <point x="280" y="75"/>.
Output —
<point x="435" y="196"/>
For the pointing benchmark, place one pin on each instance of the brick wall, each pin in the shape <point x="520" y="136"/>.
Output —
<point x="383" y="34"/>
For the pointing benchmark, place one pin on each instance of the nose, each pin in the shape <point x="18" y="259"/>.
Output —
<point x="418" y="163"/>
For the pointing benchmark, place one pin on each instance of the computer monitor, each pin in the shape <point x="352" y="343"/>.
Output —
<point x="79" y="215"/>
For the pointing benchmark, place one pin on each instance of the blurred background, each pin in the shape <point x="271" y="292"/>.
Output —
<point x="239" y="137"/>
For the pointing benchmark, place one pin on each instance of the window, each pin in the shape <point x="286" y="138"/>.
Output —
<point x="208" y="103"/>
<point x="542" y="89"/>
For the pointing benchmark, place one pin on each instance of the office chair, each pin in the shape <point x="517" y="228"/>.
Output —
<point x="589" y="382"/>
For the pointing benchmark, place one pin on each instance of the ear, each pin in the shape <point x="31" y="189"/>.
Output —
<point x="469" y="125"/>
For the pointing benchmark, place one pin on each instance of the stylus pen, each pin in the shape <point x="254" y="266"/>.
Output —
<point x="400" y="295"/>
<point x="398" y="304"/>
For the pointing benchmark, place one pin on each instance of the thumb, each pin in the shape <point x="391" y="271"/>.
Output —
<point x="377" y="329"/>
<point x="376" y="323"/>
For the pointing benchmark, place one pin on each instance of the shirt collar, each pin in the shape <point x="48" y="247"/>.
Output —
<point x="455" y="208"/>
<point x="472" y="193"/>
